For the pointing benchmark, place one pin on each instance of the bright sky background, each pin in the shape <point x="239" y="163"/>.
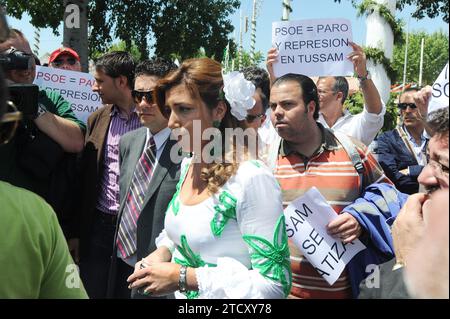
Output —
<point x="271" y="10"/>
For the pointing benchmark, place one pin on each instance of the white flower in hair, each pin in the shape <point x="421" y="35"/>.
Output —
<point x="239" y="93"/>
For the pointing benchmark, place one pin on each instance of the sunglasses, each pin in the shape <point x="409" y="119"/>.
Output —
<point x="139" y="95"/>
<point x="59" y="62"/>
<point x="252" y="118"/>
<point x="404" y="106"/>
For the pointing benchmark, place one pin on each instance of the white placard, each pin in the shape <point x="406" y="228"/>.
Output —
<point x="306" y="223"/>
<point x="317" y="47"/>
<point x="75" y="87"/>
<point x="440" y="92"/>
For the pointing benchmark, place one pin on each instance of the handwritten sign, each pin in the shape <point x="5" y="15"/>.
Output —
<point x="306" y="224"/>
<point x="440" y="92"/>
<point x="316" y="47"/>
<point x="75" y="87"/>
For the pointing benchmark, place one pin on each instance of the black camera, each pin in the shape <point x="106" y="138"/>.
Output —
<point x="25" y="98"/>
<point x="13" y="59"/>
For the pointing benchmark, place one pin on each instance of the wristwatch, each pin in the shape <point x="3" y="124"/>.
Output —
<point x="41" y="110"/>
<point x="182" y="283"/>
<point x="362" y="79"/>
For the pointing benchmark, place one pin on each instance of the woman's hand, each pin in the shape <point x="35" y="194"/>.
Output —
<point x="157" y="279"/>
<point x="345" y="227"/>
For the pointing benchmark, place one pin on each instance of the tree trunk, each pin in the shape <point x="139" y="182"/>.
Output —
<point x="381" y="36"/>
<point x="76" y="29"/>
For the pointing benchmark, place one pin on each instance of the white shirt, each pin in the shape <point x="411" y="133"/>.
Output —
<point x="160" y="139"/>
<point x="419" y="150"/>
<point x="363" y="126"/>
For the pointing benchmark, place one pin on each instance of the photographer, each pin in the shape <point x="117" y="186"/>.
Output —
<point x="41" y="157"/>
<point x="33" y="253"/>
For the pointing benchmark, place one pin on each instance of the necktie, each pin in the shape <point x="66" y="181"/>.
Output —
<point x="126" y="239"/>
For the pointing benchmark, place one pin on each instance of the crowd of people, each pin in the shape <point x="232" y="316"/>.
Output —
<point x="152" y="198"/>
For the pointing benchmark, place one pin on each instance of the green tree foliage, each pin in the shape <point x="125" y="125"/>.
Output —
<point x="183" y="27"/>
<point x="355" y="104"/>
<point x="435" y="57"/>
<point x="120" y="46"/>
<point x="179" y="26"/>
<point x="429" y="8"/>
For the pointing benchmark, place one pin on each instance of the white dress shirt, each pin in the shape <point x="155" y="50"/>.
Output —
<point x="363" y="126"/>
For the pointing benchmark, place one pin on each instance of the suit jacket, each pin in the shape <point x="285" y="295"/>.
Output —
<point x="395" y="156"/>
<point x="160" y="192"/>
<point x="89" y="171"/>
<point x="390" y="284"/>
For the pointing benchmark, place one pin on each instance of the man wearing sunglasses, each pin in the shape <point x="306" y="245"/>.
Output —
<point x="66" y="59"/>
<point x="260" y="78"/>
<point x="149" y="146"/>
<point x="420" y="230"/>
<point x="402" y="151"/>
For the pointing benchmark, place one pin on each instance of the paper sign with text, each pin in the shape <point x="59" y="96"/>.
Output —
<point x="75" y="87"/>
<point x="316" y="47"/>
<point x="440" y="92"/>
<point x="306" y="224"/>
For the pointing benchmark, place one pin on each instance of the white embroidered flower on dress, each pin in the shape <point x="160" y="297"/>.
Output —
<point x="239" y="93"/>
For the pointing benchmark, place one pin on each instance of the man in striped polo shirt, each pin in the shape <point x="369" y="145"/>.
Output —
<point x="310" y="155"/>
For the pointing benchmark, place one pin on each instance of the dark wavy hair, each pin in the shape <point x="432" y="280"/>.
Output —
<point x="117" y="63"/>
<point x="157" y="67"/>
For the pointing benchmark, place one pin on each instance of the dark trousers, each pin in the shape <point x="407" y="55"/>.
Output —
<point x="96" y="260"/>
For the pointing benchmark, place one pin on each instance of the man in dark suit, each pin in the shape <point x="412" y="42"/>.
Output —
<point x="401" y="152"/>
<point x="99" y="168"/>
<point x="148" y="178"/>
<point x="415" y="247"/>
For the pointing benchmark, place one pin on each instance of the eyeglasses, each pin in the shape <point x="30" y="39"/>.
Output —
<point x="60" y="62"/>
<point x="252" y="118"/>
<point x="9" y="123"/>
<point x="139" y="95"/>
<point x="404" y="106"/>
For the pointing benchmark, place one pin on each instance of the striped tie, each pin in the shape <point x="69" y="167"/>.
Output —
<point x="126" y="239"/>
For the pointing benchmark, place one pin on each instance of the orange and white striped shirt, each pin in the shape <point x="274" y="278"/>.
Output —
<point x="332" y="172"/>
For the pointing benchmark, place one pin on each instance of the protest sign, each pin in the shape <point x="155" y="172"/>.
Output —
<point x="306" y="224"/>
<point x="440" y="94"/>
<point x="75" y="87"/>
<point x="317" y="47"/>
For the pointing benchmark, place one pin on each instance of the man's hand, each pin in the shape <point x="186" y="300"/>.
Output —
<point x="405" y="171"/>
<point x="422" y="99"/>
<point x="345" y="227"/>
<point x="359" y="60"/>
<point x="272" y="57"/>
<point x="408" y="227"/>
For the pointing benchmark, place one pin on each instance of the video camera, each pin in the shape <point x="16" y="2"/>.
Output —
<point x="13" y="59"/>
<point x="24" y="96"/>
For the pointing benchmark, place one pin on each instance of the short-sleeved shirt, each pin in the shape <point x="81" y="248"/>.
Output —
<point x="331" y="171"/>
<point x="11" y="154"/>
<point x="34" y="257"/>
<point x="56" y="104"/>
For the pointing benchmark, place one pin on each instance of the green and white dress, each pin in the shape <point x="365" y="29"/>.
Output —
<point x="236" y="239"/>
